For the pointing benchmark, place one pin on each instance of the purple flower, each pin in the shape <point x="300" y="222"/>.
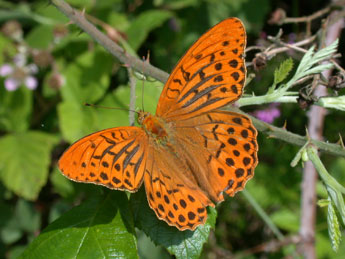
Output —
<point x="5" y="70"/>
<point x="19" y="73"/>
<point x="269" y="114"/>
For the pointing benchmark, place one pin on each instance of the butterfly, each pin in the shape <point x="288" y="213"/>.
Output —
<point x="190" y="153"/>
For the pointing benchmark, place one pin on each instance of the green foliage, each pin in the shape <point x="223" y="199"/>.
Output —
<point x="25" y="160"/>
<point x="100" y="227"/>
<point x="143" y="24"/>
<point x="40" y="37"/>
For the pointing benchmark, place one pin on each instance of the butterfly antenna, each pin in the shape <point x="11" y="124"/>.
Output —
<point x="109" y="108"/>
<point x="143" y="88"/>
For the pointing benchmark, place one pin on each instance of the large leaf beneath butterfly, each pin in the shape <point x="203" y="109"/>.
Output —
<point x="99" y="228"/>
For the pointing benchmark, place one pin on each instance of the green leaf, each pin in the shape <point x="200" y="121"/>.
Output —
<point x="99" y="228"/>
<point x="24" y="219"/>
<point x="333" y="227"/>
<point x="182" y="244"/>
<point x="88" y="78"/>
<point x="27" y="217"/>
<point x="41" y="37"/>
<point x="286" y="220"/>
<point x="143" y="24"/>
<point x="15" y="109"/>
<point x="283" y="71"/>
<point x="310" y="59"/>
<point x="25" y="161"/>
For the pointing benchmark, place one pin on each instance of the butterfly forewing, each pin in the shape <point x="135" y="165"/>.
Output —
<point x="114" y="158"/>
<point x="210" y="75"/>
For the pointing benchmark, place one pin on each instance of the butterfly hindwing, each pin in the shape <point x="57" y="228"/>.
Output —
<point x="172" y="191"/>
<point x="114" y="158"/>
<point x="224" y="145"/>
<point x="210" y="75"/>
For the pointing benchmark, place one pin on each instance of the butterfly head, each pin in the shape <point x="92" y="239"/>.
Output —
<point x="142" y="116"/>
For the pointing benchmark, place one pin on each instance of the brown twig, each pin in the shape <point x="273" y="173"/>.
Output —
<point x="308" y="18"/>
<point x="270" y="52"/>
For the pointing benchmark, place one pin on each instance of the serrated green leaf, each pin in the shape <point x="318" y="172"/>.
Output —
<point x="283" y="71"/>
<point x="182" y="244"/>
<point x="310" y="59"/>
<point x="24" y="162"/>
<point x="143" y="24"/>
<point x="99" y="228"/>
<point x="333" y="227"/>
<point x="338" y="200"/>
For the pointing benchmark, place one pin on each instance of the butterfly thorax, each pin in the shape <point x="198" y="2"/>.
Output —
<point x="154" y="126"/>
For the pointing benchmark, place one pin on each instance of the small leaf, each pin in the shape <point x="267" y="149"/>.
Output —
<point x="183" y="244"/>
<point x="41" y="37"/>
<point x="286" y="219"/>
<point x="333" y="227"/>
<point x="283" y="71"/>
<point x="24" y="162"/>
<point x="323" y="202"/>
<point x="99" y="228"/>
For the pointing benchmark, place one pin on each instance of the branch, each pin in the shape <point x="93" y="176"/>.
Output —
<point x="308" y="18"/>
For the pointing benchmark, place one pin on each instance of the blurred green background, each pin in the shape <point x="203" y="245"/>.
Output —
<point x="42" y="112"/>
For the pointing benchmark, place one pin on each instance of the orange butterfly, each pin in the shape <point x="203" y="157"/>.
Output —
<point x="189" y="153"/>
